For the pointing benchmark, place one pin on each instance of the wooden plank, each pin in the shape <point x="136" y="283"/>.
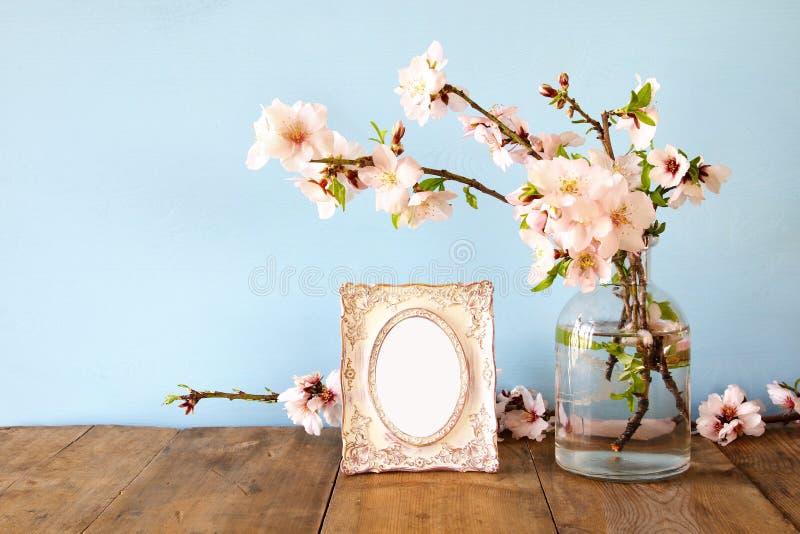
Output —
<point x="231" y="480"/>
<point x="22" y="448"/>
<point x="713" y="496"/>
<point x="68" y="491"/>
<point x="772" y="462"/>
<point x="509" y="501"/>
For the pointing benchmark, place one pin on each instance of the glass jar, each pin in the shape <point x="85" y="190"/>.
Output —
<point x="622" y="379"/>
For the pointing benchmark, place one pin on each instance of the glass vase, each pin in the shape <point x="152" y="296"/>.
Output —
<point x="622" y="379"/>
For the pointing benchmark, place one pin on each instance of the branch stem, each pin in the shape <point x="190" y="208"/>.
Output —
<point x="508" y="132"/>
<point x="442" y="173"/>
<point x="475" y="184"/>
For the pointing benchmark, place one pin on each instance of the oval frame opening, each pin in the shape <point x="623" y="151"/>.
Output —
<point x="462" y="367"/>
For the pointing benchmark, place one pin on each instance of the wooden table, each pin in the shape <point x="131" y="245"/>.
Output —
<point x="124" y="479"/>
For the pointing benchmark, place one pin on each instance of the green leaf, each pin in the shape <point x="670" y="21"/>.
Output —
<point x="638" y="384"/>
<point x="562" y="152"/>
<point x="431" y="184"/>
<point x="472" y="200"/>
<point x="644" y="118"/>
<point x="170" y="399"/>
<point x="631" y="403"/>
<point x="571" y="338"/>
<point x="646" y="177"/>
<point x="544" y="284"/>
<point x="561" y="267"/>
<point x="657" y="199"/>
<point x="633" y="103"/>
<point x="644" y="96"/>
<point x="339" y="192"/>
<point x="395" y="220"/>
<point x="620" y="396"/>
<point x="381" y="134"/>
<point x="667" y="313"/>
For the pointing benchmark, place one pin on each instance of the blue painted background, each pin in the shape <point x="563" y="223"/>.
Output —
<point x="137" y="252"/>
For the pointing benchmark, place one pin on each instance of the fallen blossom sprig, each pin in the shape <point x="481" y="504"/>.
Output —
<point x="724" y="418"/>
<point x="309" y="397"/>
<point x="191" y="399"/>
<point x="524" y="412"/>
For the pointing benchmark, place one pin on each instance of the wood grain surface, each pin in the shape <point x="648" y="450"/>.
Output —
<point x="712" y="496"/>
<point x="231" y="480"/>
<point x="509" y="501"/>
<point x="128" y="479"/>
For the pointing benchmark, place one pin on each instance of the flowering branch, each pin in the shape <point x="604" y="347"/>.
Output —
<point x="442" y="173"/>
<point x="194" y="396"/>
<point x="784" y="418"/>
<point x="508" y="132"/>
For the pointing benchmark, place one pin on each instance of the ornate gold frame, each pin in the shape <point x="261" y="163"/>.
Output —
<point x="371" y="442"/>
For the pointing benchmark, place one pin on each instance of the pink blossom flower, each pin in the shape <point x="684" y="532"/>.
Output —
<point x="506" y="115"/>
<point x="433" y="205"/>
<point x="329" y="400"/>
<point x="686" y="189"/>
<point x="417" y="83"/>
<point x="445" y="101"/>
<point x="714" y="176"/>
<point x="627" y="166"/>
<point x="631" y="213"/>
<point x="543" y="254"/>
<point x="551" y="142"/>
<point x="391" y="179"/>
<point x="529" y="422"/>
<point x="723" y="419"/>
<point x="339" y="147"/>
<point x="669" y="166"/>
<point x="309" y="396"/>
<point x="434" y="56"/>
<point x="561" y="181"/>
<point x="642" y="134"/>
<point x="785" y="398"/>
<point x="501" y="402"/>
<point x="585" y="268"/>
<point x="580" y="223"/>
<point x="493" y="138"/>
<point x="317" y="193"/>
<point x="294" y="135"/>
<point x="258" y="155"/>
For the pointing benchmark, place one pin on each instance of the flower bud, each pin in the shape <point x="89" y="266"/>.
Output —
<point x="547" y="91"/>
<point x="561" y="103"/>
<point x="397" y="148"/>
<point x="398" y="131"/>
<point x="563" y="81"/>
<point x="570" y="112"/>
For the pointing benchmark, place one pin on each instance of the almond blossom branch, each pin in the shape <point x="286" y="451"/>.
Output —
<point x="475" y="184"/>
<point x="194" y="396"/>
<point x="508" y="132"/>
<point x="785" y="418"/>
<point x="606" y="137"/>
<point x="442" y="173"/>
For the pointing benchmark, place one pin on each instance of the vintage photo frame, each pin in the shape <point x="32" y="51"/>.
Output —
<point x="455" y="323"/>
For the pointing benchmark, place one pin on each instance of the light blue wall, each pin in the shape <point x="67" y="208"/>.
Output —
<point x="130" y="228"/>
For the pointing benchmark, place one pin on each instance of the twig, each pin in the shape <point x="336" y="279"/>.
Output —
<point x="447" y="175"/>
<point x="642" y="405"/>
<point x="508" y="132"/>
<point x="669" y="382"/>
<point x="785" y="418"/>
<point x="191" y="399"/>
<point x="606" y="137"/>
